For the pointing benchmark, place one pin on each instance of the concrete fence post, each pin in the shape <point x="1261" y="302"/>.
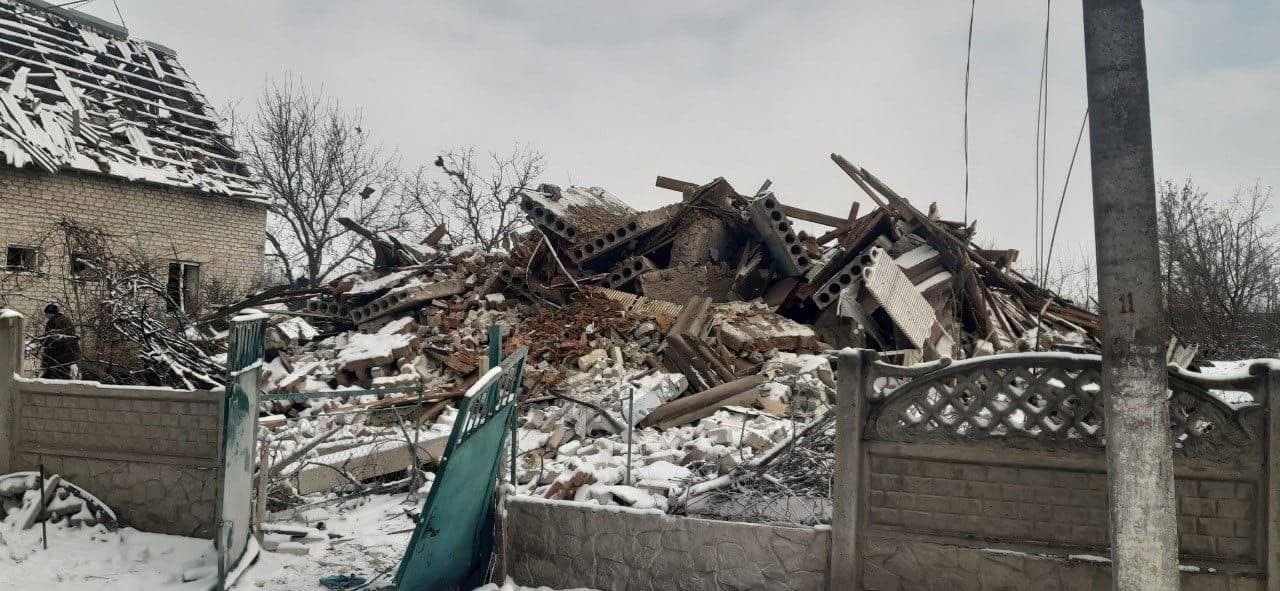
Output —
<point x="851" y="399"/>
<point x="11" y="331"/>
<point x="1270" y="387"/>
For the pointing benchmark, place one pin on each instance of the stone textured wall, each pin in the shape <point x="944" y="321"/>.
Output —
<point x="1216" y="519"/>
<point x="150" y="454"/>
<point x="892" y="563"/>
<point x="564" y="545"/>
<point x="225" y="235"/>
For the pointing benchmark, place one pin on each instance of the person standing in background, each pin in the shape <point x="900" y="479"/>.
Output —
<point x="60" y="346"/>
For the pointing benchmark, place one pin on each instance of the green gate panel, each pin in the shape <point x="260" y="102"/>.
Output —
<point x="240" y="426"/>
<point x="453" y="541"/>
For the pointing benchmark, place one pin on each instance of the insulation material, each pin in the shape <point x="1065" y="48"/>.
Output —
<point x="894" y="292"/>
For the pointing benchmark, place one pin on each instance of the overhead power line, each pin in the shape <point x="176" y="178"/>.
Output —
<point x="119" y="14"/>
<point x="968" y="56"/>
<point x="1042" y="140"/>
<point x="1065" y="183"/>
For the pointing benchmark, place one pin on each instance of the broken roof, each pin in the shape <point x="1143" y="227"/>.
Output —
<point x="78" y="93"/>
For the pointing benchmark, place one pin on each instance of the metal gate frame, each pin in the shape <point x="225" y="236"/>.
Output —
<point x="233" y="531"/>
<point x="453" y="541"/>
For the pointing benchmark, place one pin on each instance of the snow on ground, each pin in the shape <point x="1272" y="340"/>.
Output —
<point x="511" y="586"/>
<point x="375" y="532"/>
<point x="94" y="559"/>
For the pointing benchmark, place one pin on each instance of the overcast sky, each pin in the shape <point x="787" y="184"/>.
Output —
<point x="617" y="93"/>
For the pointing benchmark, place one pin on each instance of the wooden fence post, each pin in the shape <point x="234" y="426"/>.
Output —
<point x="851" y="398"/>
<point x="11" y="329"/>
<point x="1271" y="542"/>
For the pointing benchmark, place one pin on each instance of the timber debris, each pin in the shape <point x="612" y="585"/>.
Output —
<point x="668" y="348"/>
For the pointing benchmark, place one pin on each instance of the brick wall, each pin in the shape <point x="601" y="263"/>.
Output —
<point x="1216" y="518"/>
<point x="151" y="454"/>
<point x="224" y="234"/>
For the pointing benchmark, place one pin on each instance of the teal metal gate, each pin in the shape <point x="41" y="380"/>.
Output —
<point x="240" y="427"/>
<point x="453" y="541"/>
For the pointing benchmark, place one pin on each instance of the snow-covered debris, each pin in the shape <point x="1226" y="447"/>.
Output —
<point x="85" y="549"/>
<point x="702" y="360"/>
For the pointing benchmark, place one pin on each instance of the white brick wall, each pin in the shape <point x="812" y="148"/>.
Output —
<point x="224" y="234"/>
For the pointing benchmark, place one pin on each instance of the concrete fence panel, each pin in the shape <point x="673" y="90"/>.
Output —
<point x="564" y="545"/>
<point x="151" y="454"/>
<point x="1001" y="460"/>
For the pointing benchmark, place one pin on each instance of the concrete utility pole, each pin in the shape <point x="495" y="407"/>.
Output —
<point x="1144" y="535"/>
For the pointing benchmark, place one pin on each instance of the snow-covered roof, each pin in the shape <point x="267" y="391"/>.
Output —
<point x="77" y="93"/>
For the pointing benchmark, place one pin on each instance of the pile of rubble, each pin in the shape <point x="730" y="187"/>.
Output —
<point x="25" y="503"/>
<point x="703" y="328"/>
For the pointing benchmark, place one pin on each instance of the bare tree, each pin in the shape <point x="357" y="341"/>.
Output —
<point x="319" y="164"/>
<point x="133" y="327"/>
<point x="1073" y="276"/>
<point x="478" y="204"/>
<point x="1219" y="269"/>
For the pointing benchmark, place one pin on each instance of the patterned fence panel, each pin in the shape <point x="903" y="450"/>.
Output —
<point x="1008" y="452"/>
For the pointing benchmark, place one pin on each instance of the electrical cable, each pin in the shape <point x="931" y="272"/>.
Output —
<point x="1041" y="148"/>
<point x="1044" y="141"/>
<point x="119" y="14"/>
<point x="967" y="60"/>
<point x="1065" y="183"/>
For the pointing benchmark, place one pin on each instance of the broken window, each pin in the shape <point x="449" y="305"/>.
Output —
<point x="22" y="258"/>
<point x="184" y="285"/>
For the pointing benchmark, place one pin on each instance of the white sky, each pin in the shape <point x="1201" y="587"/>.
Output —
<point x="616" y="93"/>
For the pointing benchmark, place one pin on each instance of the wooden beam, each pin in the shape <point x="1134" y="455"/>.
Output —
<point x="852" y="171"/>
<point x="685" y="187"/>
<point x="434" y="237"/>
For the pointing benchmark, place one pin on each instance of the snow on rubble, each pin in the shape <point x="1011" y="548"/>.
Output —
<point x="85" y="550"/>
<point x="670" y="352"/>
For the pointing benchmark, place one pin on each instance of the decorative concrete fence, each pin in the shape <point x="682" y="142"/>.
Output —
<point x="982" y="474"/>
<point x="990" y="473"/>
<point x="563" y="545"/>
<point x="151" y="454"/>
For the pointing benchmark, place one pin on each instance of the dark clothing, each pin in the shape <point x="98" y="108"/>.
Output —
<point x="60" y="372"/>
<point x="61" y="348"/>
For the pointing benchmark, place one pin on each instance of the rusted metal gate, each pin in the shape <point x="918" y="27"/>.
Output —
<point x="453" y="542"/>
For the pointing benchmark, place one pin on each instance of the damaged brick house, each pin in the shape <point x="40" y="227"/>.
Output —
<point x="110" y="132"/>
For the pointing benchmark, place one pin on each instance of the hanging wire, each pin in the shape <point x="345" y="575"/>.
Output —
<point x="1065" y="183"/>
<point x="1044" y="139"/>
<point x="967" y="59"/>
<point x="119" y="14"/>
<point x="72" y="3"/>
<point x="1042" y="132"/>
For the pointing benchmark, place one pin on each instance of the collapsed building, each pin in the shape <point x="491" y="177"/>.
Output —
<point x="694" y="337"/>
